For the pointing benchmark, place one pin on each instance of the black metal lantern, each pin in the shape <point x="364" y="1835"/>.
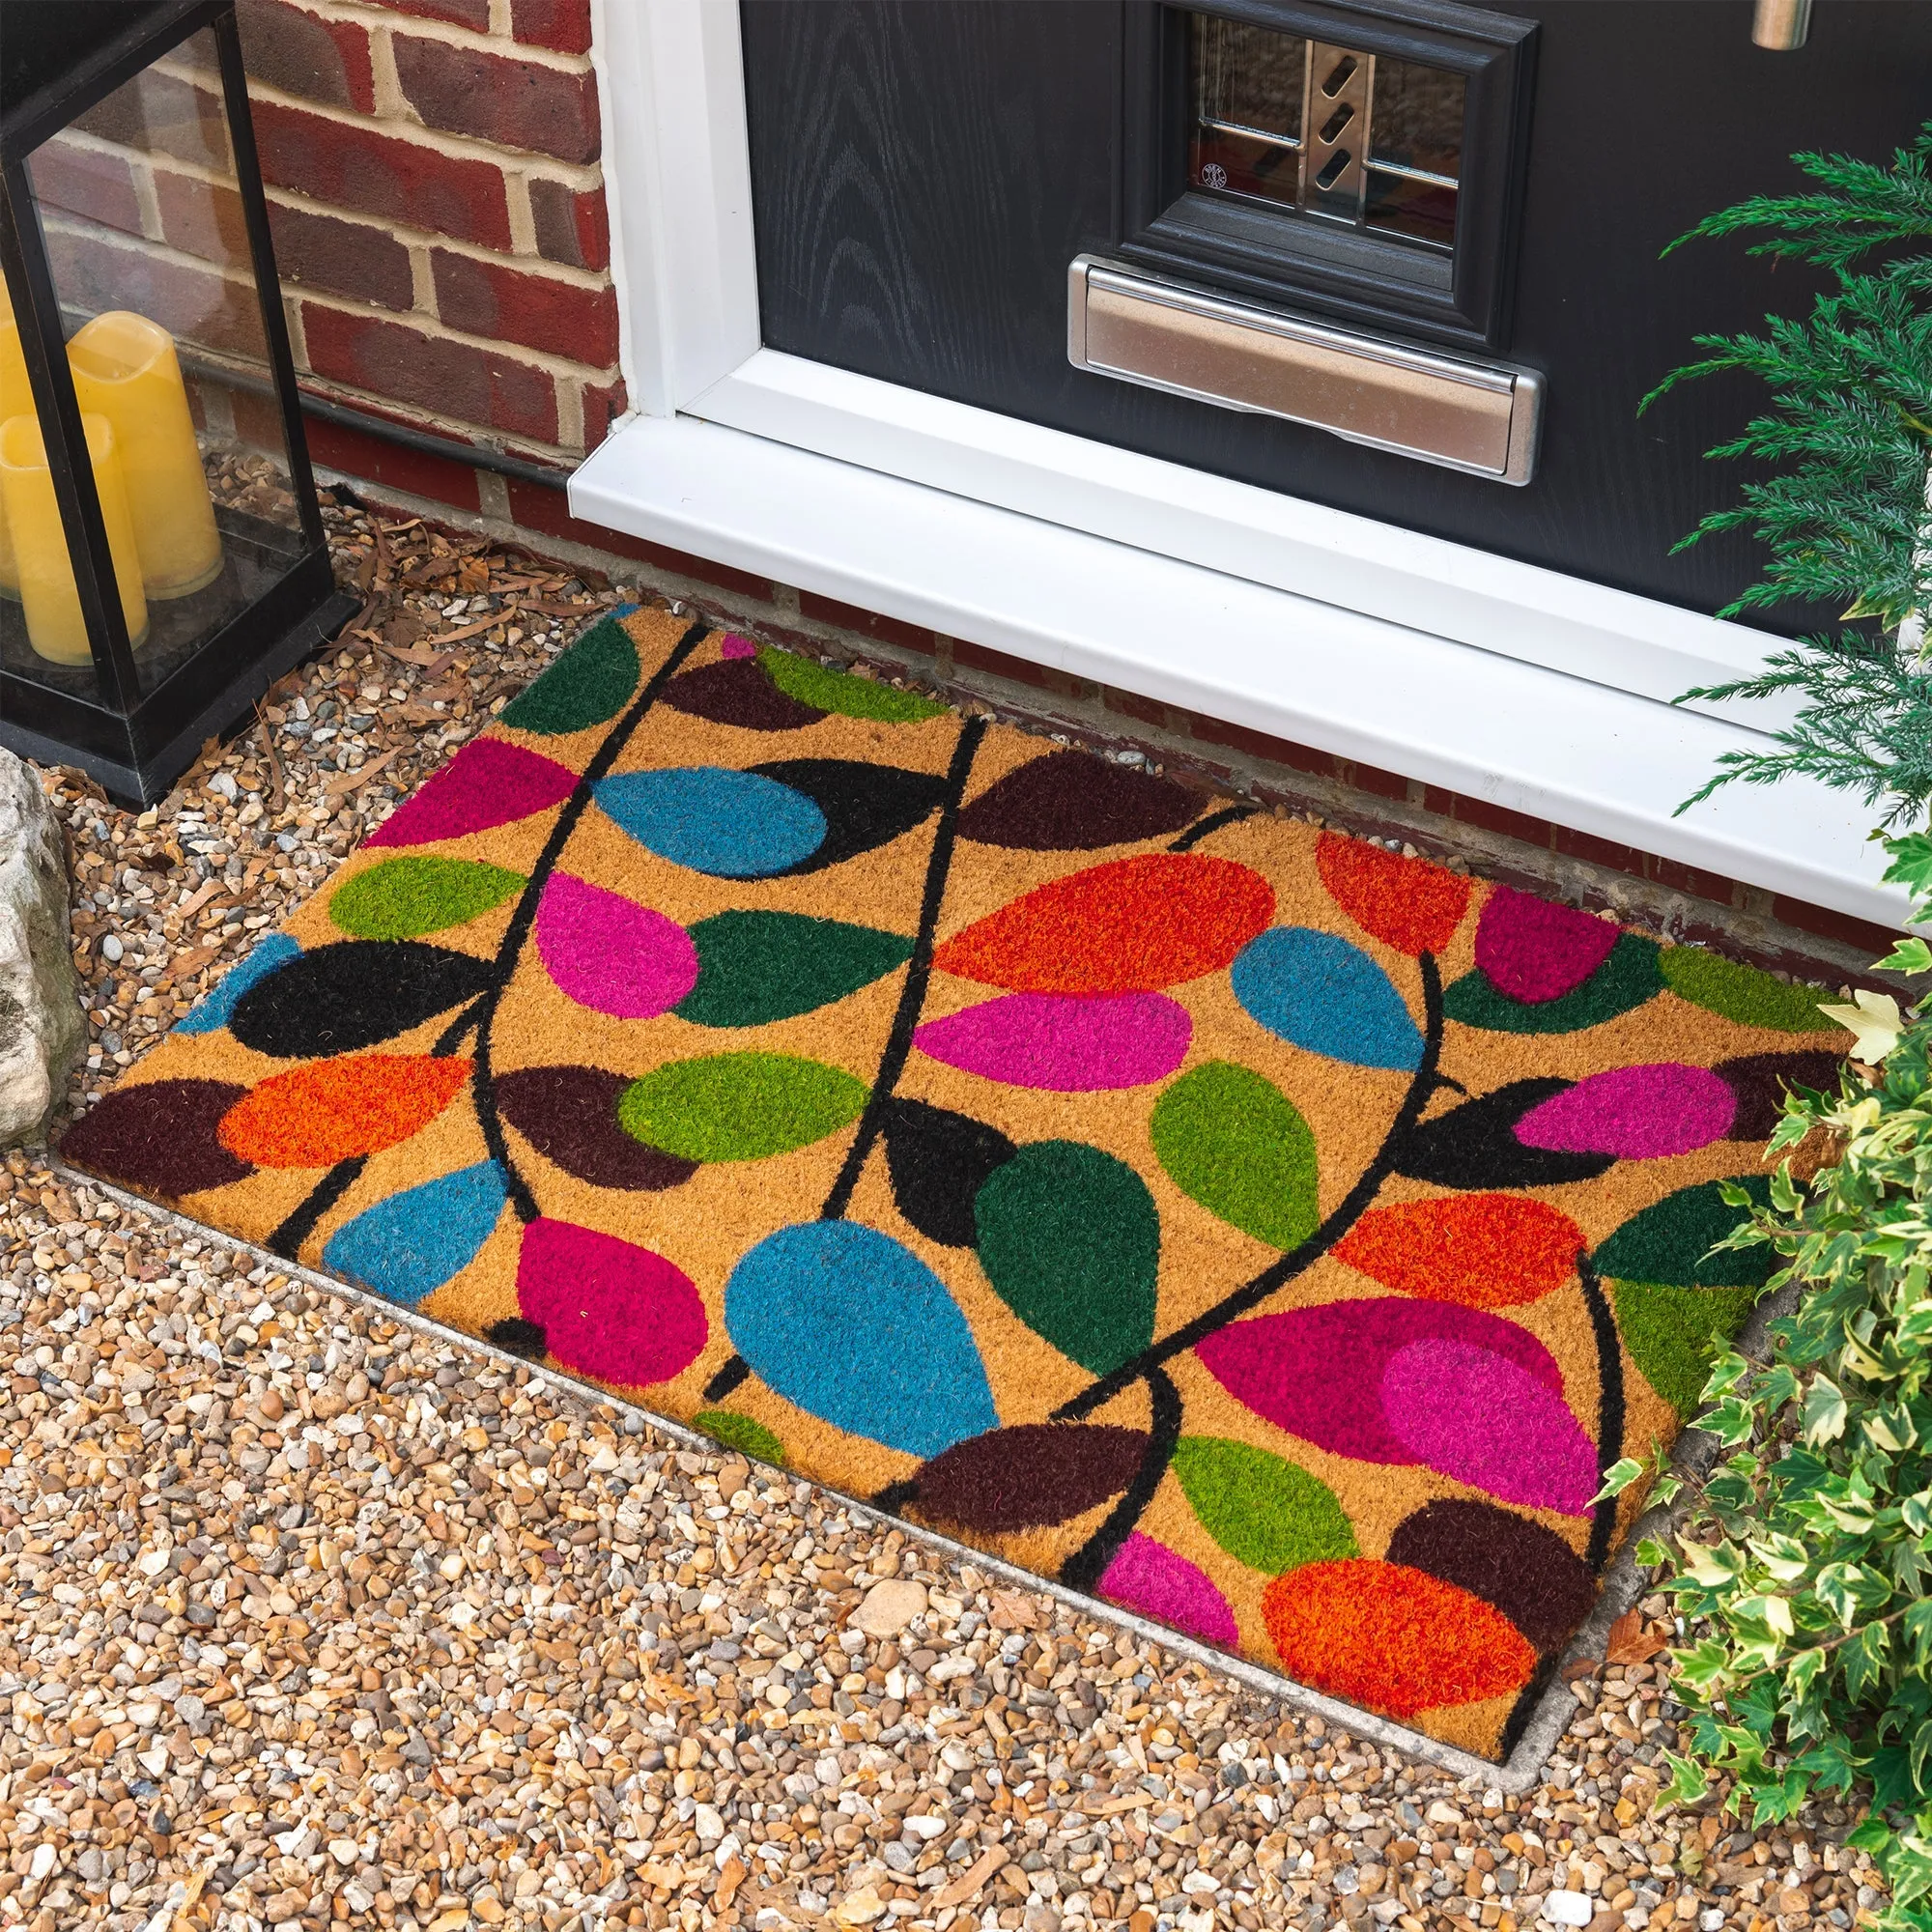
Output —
<point x="162" y="559"/>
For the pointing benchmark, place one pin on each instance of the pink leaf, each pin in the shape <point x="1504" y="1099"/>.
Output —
<point x="1475" y="1416"/>
<point x="612" y="955"/>
<point x="607" y="1307"/>
<point x="1534" y="951"/>
<point x="486" y="784"/>
<point x="1148" y="1576"/>
<point x="1317" y="1372"/>
<point x="1062" y="1043"/>
<point x="1636" y="1113"/>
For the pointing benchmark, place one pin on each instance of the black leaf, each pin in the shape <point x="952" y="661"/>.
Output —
<point x="937" y="1161"/>
<point x="865" y="805"/>
<point x="1475" y="1145"/>
<point x="342" y="998"/>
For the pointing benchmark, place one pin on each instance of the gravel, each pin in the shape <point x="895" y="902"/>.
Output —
<point x="307" y="1617"/>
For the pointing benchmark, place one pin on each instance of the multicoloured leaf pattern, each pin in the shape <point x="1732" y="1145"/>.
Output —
<point x="852" y="1327"/>
<point x="739" y="1106"/>
<point x="610" y="953"/>
<point x="1029" y="1476"/>
<point x="1064" y="1045"/>
<point x="488" y="783"/>
<point x="608" y="1307"/>
<point x="1406" y="903"/>
<point x="356" y="994"/>
<point x="408" y="1244"/>
<point x="215" y="1010"/>
<point x="404" y="899"/>
<point x="1628" y="978"/>
<point x="756" y="967"/>
<point x="1261" y="1509"/>
<point x="1235" y="1142"/>
<point x="1148" y="1576"/>
<point x="1317" y="991"/>
<point x="333" y="1110"/>
<point x="1482" y="1250"/>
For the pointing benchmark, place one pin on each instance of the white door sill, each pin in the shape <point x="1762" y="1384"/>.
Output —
<point x="1526" y="736"/>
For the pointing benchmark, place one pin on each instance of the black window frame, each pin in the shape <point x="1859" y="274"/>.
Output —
<point x="1462" y="300"/>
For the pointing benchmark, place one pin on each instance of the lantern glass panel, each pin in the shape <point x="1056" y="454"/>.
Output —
<point x="147" y="243"/>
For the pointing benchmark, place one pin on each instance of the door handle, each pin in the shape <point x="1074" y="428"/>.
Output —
<point x="1781" y="25"/>
<point x="1479" y="417"/>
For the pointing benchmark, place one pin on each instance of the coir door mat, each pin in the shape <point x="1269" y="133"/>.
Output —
<point x="1241" y="1223"/>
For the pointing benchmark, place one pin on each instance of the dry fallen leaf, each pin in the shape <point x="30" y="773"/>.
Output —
<point x="1634" y="1641"/>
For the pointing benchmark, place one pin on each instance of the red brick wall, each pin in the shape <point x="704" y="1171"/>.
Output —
<point x="439" y="211"/>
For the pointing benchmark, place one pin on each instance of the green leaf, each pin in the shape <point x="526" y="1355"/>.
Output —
<point x="741" y="1432"/>
<point x="838" y="691"/>
<point x="404" y="898"/>
<point x="1235" y="1142"/>
<point x="1824" y="1411"/>
<point x="1909" y="955"/>
<point x="1688" y="1782"/>
<point x="1261" y="1509"/>
<point x="757" y="967"/>
<point x="739" y="1106"/>
<point x="1626" y="979"/>
<point x="1617" y="1478"/>
<point x="1069" y="1238"/>
<point x="587" y="684"/>
<point x="1670" y="1241"/>
<point x="1742" y="993"/>
<point x="1669" y="1331"/>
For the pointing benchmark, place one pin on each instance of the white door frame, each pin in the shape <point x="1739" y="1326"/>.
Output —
<point x="719" y="424"/>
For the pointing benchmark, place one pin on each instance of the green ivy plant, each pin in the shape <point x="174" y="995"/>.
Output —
<point x="1805" y="1555"/>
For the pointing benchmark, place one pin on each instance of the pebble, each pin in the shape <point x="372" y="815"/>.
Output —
<point x="243" y="1684"/>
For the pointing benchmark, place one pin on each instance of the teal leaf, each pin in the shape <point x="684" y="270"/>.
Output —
<point x="853" y="1328"/>
<point x="733" y="825"/>
<point x="587" y="684"/>
<point x="407" y="1246"/>
<point x="1317" y="992"/>
<point x="757" y="967"/>
<point x="1628" y="978"/>
<point x="1069" y="1238"/>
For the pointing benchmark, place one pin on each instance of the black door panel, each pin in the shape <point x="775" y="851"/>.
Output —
<point x="923" y="172"/>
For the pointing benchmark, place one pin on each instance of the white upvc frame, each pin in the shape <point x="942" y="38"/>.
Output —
<point x="1487" y="635"/>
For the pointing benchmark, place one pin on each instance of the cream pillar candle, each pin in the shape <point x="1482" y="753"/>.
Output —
<point x="15" y="399"/>
<point x="125" y="369"/>
<point x="49" y="596"/>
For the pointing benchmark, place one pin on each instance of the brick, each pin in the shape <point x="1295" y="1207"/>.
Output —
<point x="572" y="225"/>
<point x="346" y="258"/>
<point x="998" y="664"/>
<point x="1492" y="817"/>
<point x="196" y="305"/>
<point x="1605" y="852"/>
<point x="258" y="421"/>
<point x="547" y="511"/>
<point x="1373" y="779"/>
<point x="868" y="623"/>
<point x="97" y="183"/>
<point x="429" y="372"/>
<point x="1842" y="926"/>
<point x="494" y="299"/>
<point x="602" y="403"/>
<point x="460" y="13"/>
<point x="511" y="103"/>
<point x="1130" y="704"/>
<point x="377" y="174"/>
<point x="441" y="478"/>
<point x="203" y="218"/>
<point x="561" y="25"/>
<point x="1682" y="878"/>
<point x="160" y="113"/>
<point x="1260" y="745"/>
<point x="322" y="60"/>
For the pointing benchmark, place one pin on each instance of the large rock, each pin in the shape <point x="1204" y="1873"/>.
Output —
<point x="43" y="1029"/>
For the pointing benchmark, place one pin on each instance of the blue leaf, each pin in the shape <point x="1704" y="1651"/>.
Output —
<point x="409" y="1245"/>
<point x="856" y="1330"/>
<point x="1317" y="992"/>
<point x="212" y="1013"/>
<point x="734" y="825"/>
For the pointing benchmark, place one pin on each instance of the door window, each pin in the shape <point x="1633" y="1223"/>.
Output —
<point x="1362" y="161"/>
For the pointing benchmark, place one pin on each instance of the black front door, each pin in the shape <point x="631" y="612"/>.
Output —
<point x="1489" y="186"/>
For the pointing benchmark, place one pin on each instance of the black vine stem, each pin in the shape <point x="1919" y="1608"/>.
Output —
<point x="481" y="1013"/>
<point x="1286" y="1267"/>
<point x="1083" y="1569"/>
<point x="919" y="974"/>
<point x="1229" y="814"/>
<point x="1609" y="1406"/>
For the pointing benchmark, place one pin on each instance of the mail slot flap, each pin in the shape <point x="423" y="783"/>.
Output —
<point x="1474" y="416"/>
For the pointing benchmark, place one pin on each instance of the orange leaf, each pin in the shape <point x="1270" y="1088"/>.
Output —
<point x="1395" y="1640"/>
<point x="331" y="1110"/>
<point x="1132" y="926"/>
<point x="1481" y="1250"/>
<point x="1634" y="1641"/>
<point x="1408" y="903"/>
